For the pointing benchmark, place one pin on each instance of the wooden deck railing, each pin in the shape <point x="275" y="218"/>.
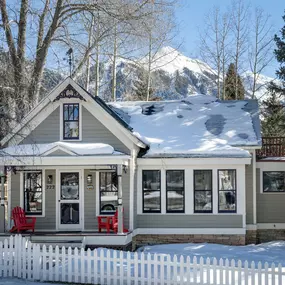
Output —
<point x="272" y="147"/>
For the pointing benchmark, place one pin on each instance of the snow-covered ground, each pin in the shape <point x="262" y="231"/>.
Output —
<point x="266" y="252"/>
<point x="15" y="281"/>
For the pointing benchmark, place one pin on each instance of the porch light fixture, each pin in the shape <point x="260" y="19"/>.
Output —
<point x="89" y="179"/>
<point x="50" y="179"/>
<point x="125" y="168"/>
<point x="120" y="201"/>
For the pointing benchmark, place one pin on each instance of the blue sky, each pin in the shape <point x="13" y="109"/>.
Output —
<point x="190" y="17"/>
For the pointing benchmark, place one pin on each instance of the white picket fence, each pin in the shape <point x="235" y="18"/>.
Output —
<point x="22" y="259"/>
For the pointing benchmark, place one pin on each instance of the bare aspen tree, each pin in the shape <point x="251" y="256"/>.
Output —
<point x="260" y="52"/>
<point x="214" y="45"/>
<point x="50" y="20"/>
<point x="239" y="20"/>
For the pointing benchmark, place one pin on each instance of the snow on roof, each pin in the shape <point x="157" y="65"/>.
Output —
<point x="74" y="148"/>
<point x="198" y="126"/>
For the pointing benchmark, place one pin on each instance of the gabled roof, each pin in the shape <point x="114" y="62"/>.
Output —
<point x="198" y="126"/>
<point x="77" y="92"/>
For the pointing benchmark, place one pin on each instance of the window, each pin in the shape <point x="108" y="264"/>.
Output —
<point x="151" y="191"/>
<point x="175" y="191"/>
<point x="33" y="194"/>
<point x="202" y="191"/>
<point x="227" y="191"/>
<point x="273" y="181"/>
<point x="71" y="121"/>
<point x="108" y="192"/>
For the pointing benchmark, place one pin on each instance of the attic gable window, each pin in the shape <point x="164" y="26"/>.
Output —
<point x="70" y="121"/>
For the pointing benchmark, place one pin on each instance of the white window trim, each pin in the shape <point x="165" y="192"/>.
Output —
<point x="267" y="167"/>
<point x="97" y="189"/>
<point x="70" y="101"/>
<point x="43" y="192"/>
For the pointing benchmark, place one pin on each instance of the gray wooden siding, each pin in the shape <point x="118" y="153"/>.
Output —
<point x="135" y="197"/>
<point x="49" y="221"/>
<point x="270" y="206"/>
<point x="90" y="219"/>
<point x="189" y="221"/>
<point x="92" y="131"/>
<point x="249" y="193"/>
<point x="126" y="197"/>
<point x="46" y="132"/>
<point x="15" y="190"/>
<point x="95" y="131"/>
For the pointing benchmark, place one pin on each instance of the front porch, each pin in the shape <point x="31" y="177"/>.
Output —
<point x="67" y="193"/>
<point x="82" y="239"/>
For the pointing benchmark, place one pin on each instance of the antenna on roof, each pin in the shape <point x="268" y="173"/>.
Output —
<point x="69" y="53"/>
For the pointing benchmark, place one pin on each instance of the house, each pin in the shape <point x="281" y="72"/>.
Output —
<point x="177" y="171"/>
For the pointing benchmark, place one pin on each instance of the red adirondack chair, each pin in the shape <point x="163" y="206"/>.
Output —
<point x="109" y="223"/>
<point x="104" y="222"/>
<point x="114" y="223"/>
<point x="21" y="222"/>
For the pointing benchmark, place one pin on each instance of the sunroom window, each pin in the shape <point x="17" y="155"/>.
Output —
<point x="70" y="121"/>
<point x="175" y="191"/>
<point x="151" y="191"/>
<point x="202" y="191"/>
<point x="33" y="194"/>
<point x="227" y="190"/>
<point x="273" y="181"/>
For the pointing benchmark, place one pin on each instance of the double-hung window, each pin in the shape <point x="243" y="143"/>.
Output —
<point x="108" y="192"/>
<point x="70" y="121"/>
<point x="33" y="193"/>
<point x="175" y="191"/>
<point x="151" y="191"/>
<point x="273" y="181"/>
<point x="227" y="191"/>
<point x="203" y="191"/>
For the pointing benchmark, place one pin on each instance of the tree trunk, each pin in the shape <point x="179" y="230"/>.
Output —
<point x="114" y="75"/>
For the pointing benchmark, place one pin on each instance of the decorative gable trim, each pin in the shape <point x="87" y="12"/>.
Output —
<point x="59" y="148"/>
<point x="70" y="93"/>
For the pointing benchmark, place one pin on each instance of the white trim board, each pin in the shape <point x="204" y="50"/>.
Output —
<point x="188" y="231"/>
<point x="182" y="162"/>
<point x="66" y="161"/>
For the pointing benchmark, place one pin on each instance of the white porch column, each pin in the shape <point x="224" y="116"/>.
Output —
<point x="120" y="199"/>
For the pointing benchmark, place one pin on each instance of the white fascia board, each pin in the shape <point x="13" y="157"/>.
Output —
<point x="250" y="147"/>
<point x="192" y="161"/>
<point x="48" y="99"/>
<point x="189" y="231"/>
<point x="66" y="161"/>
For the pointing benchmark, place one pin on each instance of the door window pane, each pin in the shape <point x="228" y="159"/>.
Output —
<point x="202" y="191"/>
<point x="151" y="191"/>
<point x="175" y="191"/>
<point x="273" y="181"/>
<point x="70" y="186"/>
<point x="69" y="213"/>
<point x="227" y="190"/>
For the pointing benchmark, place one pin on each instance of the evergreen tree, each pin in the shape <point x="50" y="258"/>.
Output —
<point x="140" y="88"/>
<point x="230" y="83"/>
<point x="273" y="121"/>
<point x="280" y="56"/>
